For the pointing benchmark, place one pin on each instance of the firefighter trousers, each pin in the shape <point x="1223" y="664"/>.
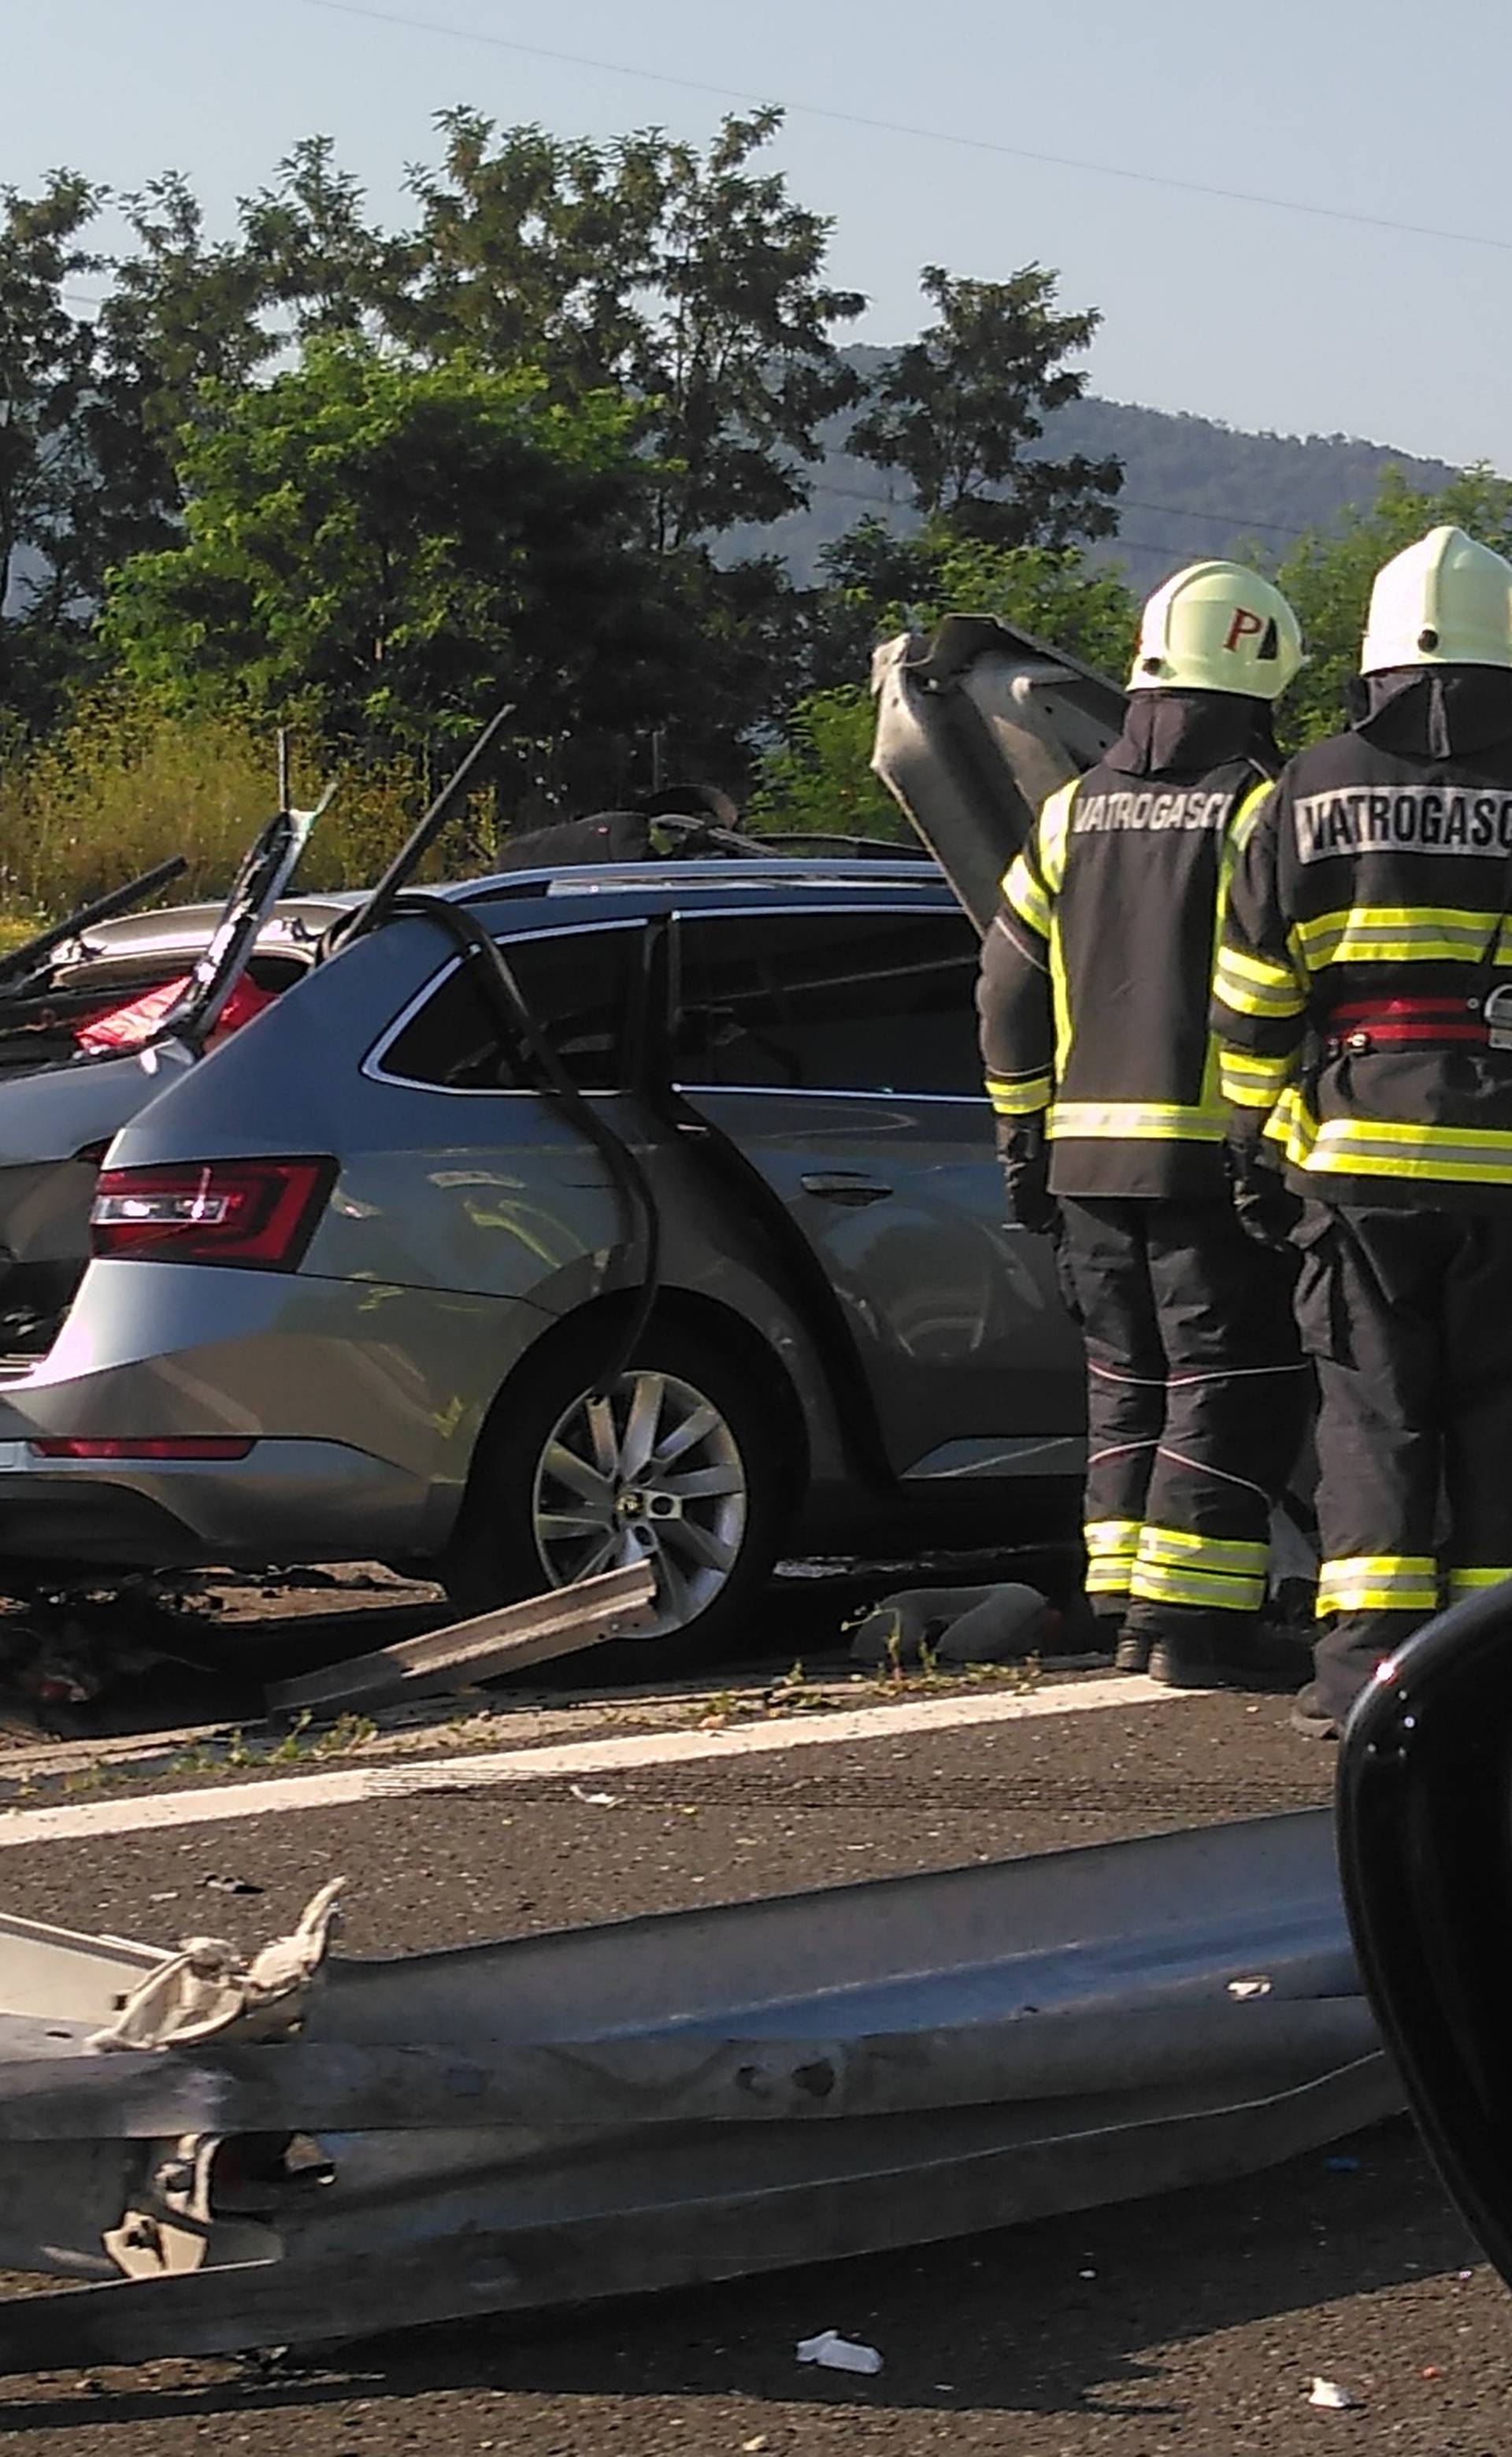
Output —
<point x="1198" y="1398"/>
<point x="1408" y="1315"/>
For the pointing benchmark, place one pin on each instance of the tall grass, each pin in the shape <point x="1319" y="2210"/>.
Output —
<point x="125" y="785"/>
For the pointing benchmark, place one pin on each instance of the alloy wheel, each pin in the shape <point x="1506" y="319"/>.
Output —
<point x="648" y="1471"/>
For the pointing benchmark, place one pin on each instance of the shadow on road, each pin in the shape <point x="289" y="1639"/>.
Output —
<point x="1058" y="2318"/>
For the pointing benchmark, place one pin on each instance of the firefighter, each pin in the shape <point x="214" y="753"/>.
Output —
<point x="1364" y="987"/>
<point x="1093" y="999"/>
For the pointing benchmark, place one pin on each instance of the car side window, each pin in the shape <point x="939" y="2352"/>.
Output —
<point x="575" y="981"/>
<point x="868" y="1001"/>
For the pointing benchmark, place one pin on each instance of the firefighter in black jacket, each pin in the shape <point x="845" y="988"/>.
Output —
<point x="1093" y="999"/>
<point x="1364" y="987"/>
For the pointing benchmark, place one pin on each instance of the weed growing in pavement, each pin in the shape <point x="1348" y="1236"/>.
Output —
<point x="347" y="1732"/>
<point x="85" y="1779"/>
<point x="723" y="1707"/>
<point x="895" y="1679"/>
<point x="301" y="1745"/>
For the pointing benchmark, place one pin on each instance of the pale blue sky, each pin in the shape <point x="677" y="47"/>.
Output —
<point x="1263" y="317"/>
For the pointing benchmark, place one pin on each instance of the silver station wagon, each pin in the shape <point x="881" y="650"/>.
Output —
<point x="649" y="1208"/>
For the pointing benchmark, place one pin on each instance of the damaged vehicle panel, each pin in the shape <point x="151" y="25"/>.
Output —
<point x="392" y="1349"/>
<point x="729" y="1114"/>
<point x="303" y="2147"/>
<point x="105" y="1015"/>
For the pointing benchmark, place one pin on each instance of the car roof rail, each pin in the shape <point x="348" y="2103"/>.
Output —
<point x="588" y="879"/>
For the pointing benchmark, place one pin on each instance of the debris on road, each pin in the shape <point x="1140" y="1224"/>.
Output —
<point x="1332" y="2394"/>
<point x="956" y="1625"/>
<point x="496" y="1642"/>
<point x="834" y="2353"/>
<point x="728" y="2089"/>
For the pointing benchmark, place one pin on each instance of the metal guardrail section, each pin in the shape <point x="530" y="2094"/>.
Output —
<point x="681" y="2097"/>
<point x="975" y="727"/>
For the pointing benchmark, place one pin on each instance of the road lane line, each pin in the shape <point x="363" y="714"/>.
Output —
<point x="350" y="1786"/>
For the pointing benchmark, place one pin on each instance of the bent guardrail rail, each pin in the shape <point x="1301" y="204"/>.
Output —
<point x="301" y="2147"/>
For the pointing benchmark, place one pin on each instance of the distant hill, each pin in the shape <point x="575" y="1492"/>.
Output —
<point x="1191" y="487"/>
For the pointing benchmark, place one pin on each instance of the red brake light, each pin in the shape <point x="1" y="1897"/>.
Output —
<point x="161" y="1446"/>
<point x="259" y="1214"/>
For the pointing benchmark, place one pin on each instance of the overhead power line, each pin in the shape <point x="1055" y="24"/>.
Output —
<point x="906" y="128"/>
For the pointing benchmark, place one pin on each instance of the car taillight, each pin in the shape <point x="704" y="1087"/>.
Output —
<point x="259" y="1214"/>
<point x="159" y="1446"/>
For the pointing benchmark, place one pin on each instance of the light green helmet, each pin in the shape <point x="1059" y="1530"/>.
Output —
<point x="1218" y="626"/>
<point x="1445" y="601"/>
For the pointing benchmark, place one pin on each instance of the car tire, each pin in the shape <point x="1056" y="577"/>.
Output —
<point x="526" y="1527"/>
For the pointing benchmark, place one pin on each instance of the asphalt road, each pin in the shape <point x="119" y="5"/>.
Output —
<point x="1195" y="2322"/>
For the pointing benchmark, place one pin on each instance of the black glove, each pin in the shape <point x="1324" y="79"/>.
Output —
<point x="1267" y="1208"/>
<point x="1026" y="1157"/>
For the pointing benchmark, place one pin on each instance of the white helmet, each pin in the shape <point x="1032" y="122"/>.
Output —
<point x="1445" y="601"/>
<point x="1218" y="628"/>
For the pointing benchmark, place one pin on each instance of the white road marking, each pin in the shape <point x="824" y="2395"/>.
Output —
<point x="349" y="1786"/>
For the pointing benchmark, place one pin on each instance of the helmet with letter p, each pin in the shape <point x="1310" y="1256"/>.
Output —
<point x="1218" y="626"/>
<point x="1446" y="600"/>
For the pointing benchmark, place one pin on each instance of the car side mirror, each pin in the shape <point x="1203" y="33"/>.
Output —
<point x="1426" y="1856"/>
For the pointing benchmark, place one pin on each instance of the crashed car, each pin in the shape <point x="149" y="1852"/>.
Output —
<point x="96" y="1015"/>
<point x="364" y="1280"/>
<point x="583" y="1215"/>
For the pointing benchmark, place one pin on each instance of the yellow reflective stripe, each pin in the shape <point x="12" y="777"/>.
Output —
<point x="1378" y="1582"/>
<point x="1034" y="877"/>
<point x="1384" y="1147"/>
<point x="1111" y="1544"/>
<point x="1470" y="1583"/>
<point x="1290" y="1120"/>
<point x="1055" y="834"/>
<point x="1251" y="1082"/>
<point x="1400" y="933"/>
<point x="1254" y="1066"/>
<point x="1108" y="1578"/>
<point x="1251" y="985"/>
<point x="1134" y="1122"/>
<point x="1025" y="896"/>
<point x="1202" y="1552"/>
<point x="1105" y="1536"/>
<point x="1022" y="1098"/>
<point x="1256" y="968"/>
<point x="1161" y="1582"/>
<point x="1245" y="818"/>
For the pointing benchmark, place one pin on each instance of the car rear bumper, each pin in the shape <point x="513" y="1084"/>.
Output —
<point x="285" y="1501"/>
<point x="361" y="1403"/>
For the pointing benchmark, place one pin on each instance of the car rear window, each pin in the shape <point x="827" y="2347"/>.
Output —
<point x="575" y="981"/>
<point x="872" y="1001"/>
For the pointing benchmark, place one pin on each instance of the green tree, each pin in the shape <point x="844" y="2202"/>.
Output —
<point x="390" y="550"/>
<point x="878" y="583"/>
<point x="1328" y="579"/>
<point x="689" y="279"/>
<point x="310" y="252"/>
<point x="46" y="371"/>
<point x="961" y="409"/>
<point x="181" y="311"/>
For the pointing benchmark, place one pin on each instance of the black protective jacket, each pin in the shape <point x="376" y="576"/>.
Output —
<point x="1363" y="996"/>
<point x="1096" y="972"/>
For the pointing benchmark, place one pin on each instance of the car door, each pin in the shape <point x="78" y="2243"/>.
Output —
<point x="835" y="1049"/>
